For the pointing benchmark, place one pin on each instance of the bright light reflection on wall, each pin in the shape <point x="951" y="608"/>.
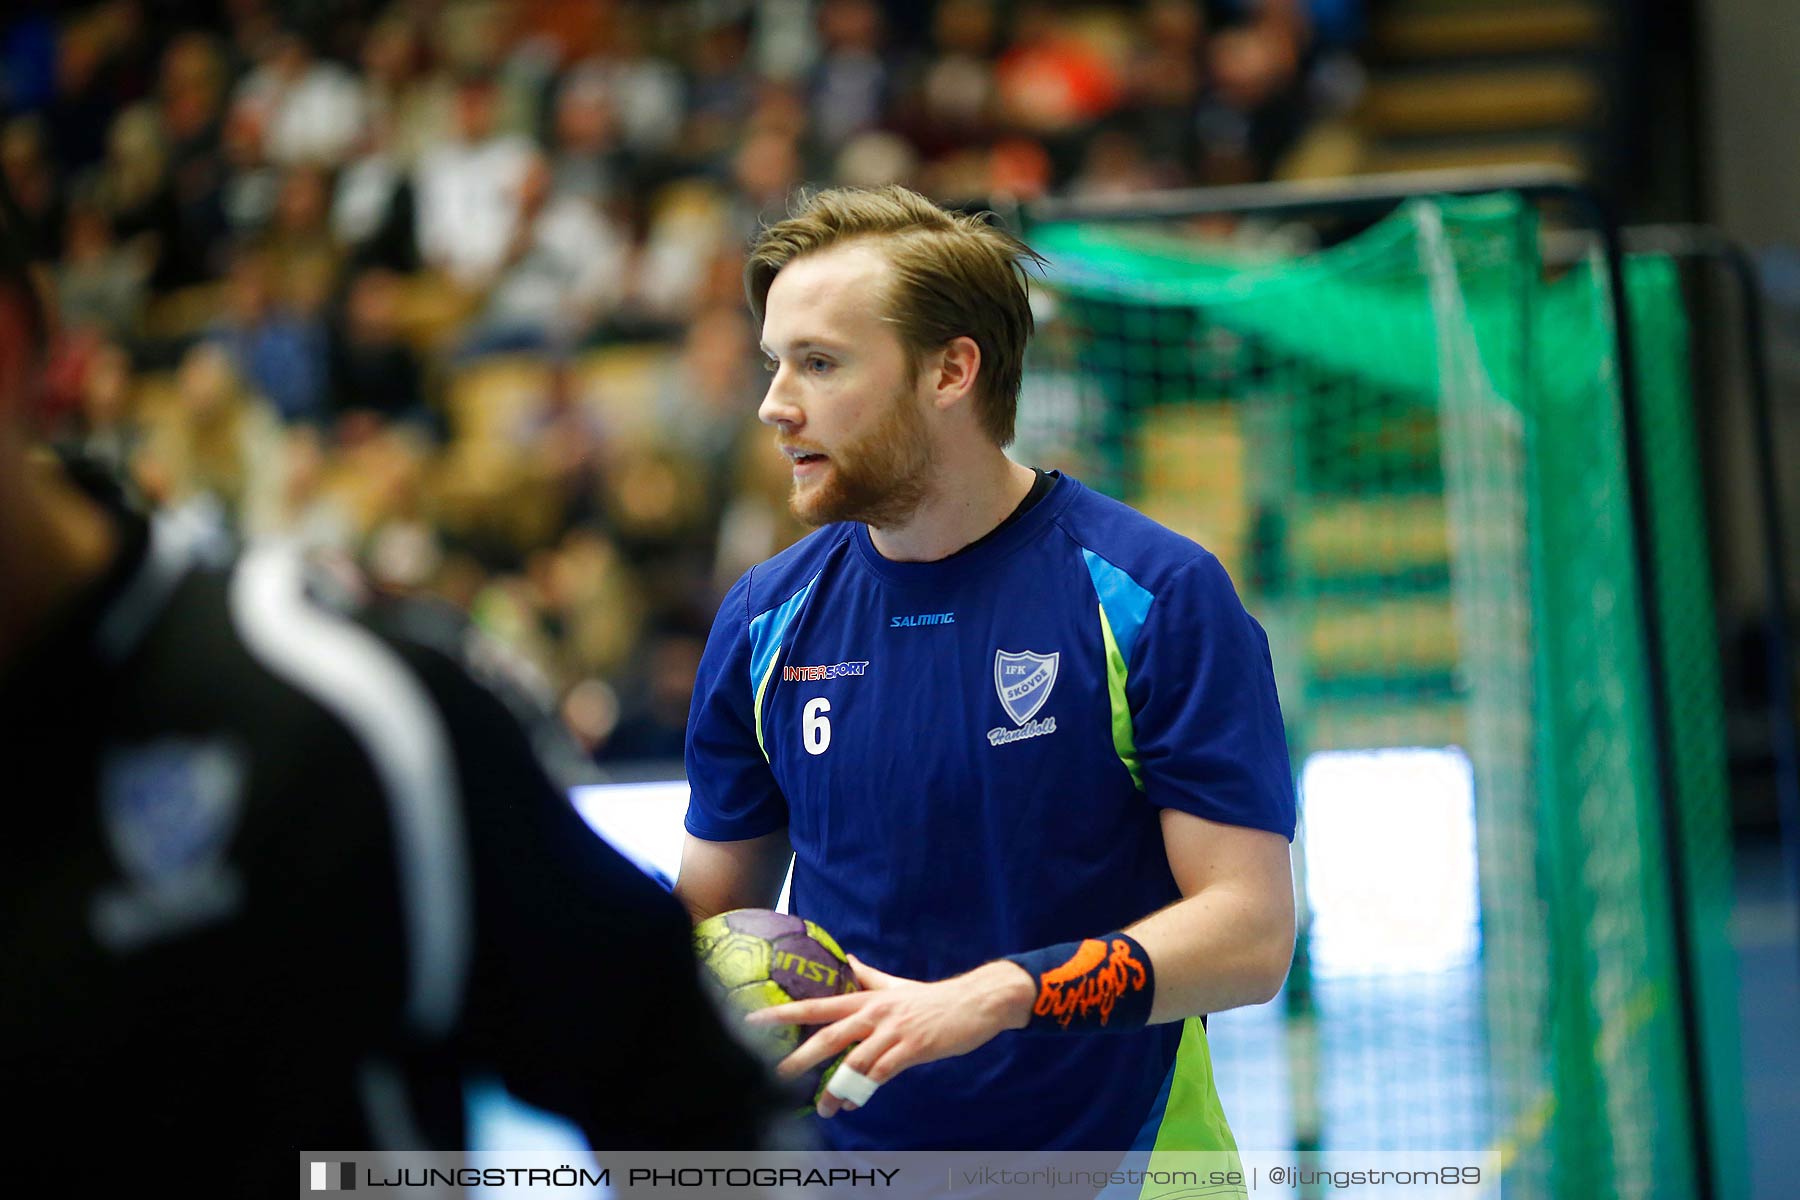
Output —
<point x="1390" y="861"/>
<point x="641" y="820"/>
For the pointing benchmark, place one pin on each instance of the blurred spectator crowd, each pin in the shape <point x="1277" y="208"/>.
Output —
<point x="453" y="286"/>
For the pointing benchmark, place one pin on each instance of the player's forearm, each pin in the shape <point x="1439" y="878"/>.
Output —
<point x="704" y="899"/>
<point x="718" y="877"/>
<point x="1221" y="948"/>
<point x="1226" y="946"/>
<point x="706" y="894"/>
<point x="697" y="909"/>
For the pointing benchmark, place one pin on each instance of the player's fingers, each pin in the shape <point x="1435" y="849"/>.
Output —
<point x="858" y="1060"/>
<point x="894" y="1058"/>
<point x="822" y="1011"/>
<point x="826" y="1043"/>
<point x="864" y="1054"/>
<point x="869" y="977"/>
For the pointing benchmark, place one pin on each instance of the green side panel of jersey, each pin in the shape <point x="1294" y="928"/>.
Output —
<point x="1123" y="742"/>
<point x="1193" y="1120"/>
<point x="1124" y="605"/>
<point x="762" y="689"/>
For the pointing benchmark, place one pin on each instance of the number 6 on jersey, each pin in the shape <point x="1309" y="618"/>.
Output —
<point x="815" y="727"/>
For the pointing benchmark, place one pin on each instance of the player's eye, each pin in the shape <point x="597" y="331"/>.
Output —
<point x="771" y="365"/>
<point x="817" y="365"/>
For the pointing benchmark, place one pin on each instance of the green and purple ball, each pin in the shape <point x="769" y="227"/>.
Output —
<point x="759" y="958"/>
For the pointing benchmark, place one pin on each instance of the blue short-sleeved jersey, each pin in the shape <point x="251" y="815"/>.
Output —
<point x="970" y="756"/>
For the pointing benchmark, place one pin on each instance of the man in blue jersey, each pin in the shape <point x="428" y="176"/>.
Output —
<point x="1020" y="743"/>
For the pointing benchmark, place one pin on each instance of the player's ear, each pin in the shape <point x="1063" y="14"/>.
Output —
<point x="956" y="371"/>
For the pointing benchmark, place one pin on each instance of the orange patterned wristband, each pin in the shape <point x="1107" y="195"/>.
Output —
<point x="1097" y="985"/>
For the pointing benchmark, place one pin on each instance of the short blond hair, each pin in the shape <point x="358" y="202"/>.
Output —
<point x="955" y="275"/>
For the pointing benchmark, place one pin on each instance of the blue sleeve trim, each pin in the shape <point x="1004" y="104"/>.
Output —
<point x="1127" y="603"/>
<point x="769" y="631"/>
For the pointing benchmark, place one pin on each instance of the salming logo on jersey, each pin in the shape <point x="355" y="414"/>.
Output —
<point x="948" y="618"/>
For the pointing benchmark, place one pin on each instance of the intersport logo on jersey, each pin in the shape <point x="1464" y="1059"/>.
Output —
<point x="843" y="670"/>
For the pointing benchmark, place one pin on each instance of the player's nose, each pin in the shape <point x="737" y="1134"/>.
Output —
<point x="778" y="406"/>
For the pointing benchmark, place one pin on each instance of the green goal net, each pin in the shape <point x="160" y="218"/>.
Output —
<point x="1408" y="450"/>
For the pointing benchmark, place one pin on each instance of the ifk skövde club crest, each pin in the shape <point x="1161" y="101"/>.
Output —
<point x="1024" y="681"/>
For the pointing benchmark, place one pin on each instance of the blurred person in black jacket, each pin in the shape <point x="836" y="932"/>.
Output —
<point x="278" y="878"/>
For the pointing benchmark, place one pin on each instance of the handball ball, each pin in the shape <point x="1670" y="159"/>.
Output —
<point x="757" y="959"/>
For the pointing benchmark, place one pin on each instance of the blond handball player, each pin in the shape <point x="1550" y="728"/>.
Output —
<point x="1020" y="742"/>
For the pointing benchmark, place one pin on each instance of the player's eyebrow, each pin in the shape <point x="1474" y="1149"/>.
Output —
<point x="802" y="346"/>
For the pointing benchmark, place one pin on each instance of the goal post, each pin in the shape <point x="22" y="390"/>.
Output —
<point x="1459" y="488"/>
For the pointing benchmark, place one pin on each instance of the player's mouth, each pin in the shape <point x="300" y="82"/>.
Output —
<point x="807" y="463"/>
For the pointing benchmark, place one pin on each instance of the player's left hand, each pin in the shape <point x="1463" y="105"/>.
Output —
<point x="896" y="1023"/>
